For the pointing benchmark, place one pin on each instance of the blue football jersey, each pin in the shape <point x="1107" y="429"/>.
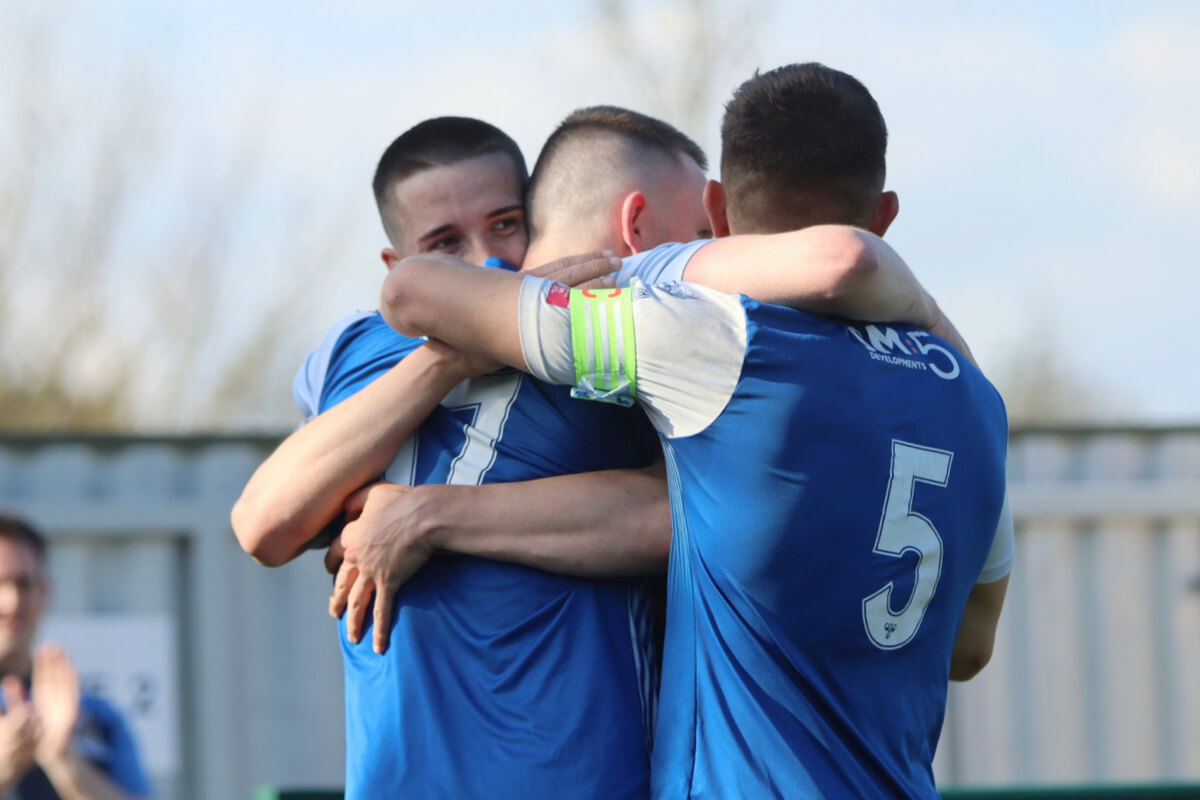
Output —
<point x="836" y="491"/>
<point x="499" y="680"/>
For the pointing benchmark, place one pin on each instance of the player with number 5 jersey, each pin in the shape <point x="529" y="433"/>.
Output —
<point x="827" y="510"/>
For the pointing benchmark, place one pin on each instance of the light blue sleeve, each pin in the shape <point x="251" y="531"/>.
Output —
<point x="310" y="378"/>
<point x="662" y="265"/>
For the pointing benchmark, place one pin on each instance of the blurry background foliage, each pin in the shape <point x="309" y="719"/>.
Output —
<point x="140" y="289"/>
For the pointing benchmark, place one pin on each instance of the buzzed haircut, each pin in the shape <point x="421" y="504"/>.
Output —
<point x="579" y="139"/>
<point x="18" y="530"/>
<point x="802" y="144"/>
<point x="441" y="142"/>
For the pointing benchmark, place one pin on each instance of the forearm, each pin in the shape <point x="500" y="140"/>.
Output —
<point x="443" y="298"/>
<point x="595" y="524"/>
<point x="829" y="269"/>
<point x="300" y="488"/>
<point x="75" y="778"/>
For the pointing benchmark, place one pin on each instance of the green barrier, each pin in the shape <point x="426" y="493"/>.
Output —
<point x="1132" y="791"/>
<point x="1155" y="791"/>
<point x="273" y="793"/>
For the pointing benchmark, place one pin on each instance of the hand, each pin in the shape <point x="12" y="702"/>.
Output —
<point x="383" y="546"/>
<point x="584" y="271"/>
<point x="19" y="731"/>
<point x="943" y="327"/>
<point x="335" y="555"/>
<point x="56" y="696"/>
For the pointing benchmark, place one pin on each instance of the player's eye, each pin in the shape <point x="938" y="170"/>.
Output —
<point x="704" y="233"/>
<point x="446" y="244"/>
<point x="507" y="226"/>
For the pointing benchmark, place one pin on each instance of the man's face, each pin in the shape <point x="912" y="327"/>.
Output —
<point x="677" y="200"/>
<point x="23" y="595"/>
<point x="471" y="209"/>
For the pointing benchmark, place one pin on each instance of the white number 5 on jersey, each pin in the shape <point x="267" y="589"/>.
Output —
<point x="902" y="529"/>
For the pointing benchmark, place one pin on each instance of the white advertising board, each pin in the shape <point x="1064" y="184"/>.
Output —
<point x="129" y="659"/>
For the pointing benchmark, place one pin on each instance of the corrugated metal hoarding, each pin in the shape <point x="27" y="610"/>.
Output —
<point x="232" y="675"/>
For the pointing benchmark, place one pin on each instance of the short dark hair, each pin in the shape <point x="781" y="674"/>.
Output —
<point x="18" y="530"/>
<point x="802" y="144"/>
<point x="598" y="121"/>
<point x="440" y="142"/>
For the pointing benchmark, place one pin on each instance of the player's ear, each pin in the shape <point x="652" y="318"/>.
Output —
<point x="633" y="210"/>
<point x="885" y="212"/>
<point x="714" y="206"/>
<point x="390" y="258"/>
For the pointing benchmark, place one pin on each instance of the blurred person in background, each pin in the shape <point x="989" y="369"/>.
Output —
<point x="56" y="742"/>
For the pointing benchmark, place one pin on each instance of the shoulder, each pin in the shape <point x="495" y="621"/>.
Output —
<point x="310" y="377"/>
<point x="663" y="264"/>
<point x="691" y="344"/>
<point x="354" y="340"/>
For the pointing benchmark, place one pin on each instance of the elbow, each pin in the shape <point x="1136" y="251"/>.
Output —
<point x="257" y="534"/>
<point x="852" y="251"/>
<point x="967" y="662"/>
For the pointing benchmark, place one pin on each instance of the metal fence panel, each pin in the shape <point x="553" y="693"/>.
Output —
<point x="1094" y="678"/>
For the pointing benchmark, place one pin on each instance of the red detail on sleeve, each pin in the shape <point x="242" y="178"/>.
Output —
<point x="559" y="295"/>
<point x="611" y="292"/>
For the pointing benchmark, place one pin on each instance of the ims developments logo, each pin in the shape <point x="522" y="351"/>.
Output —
<point x="908" y="349"/>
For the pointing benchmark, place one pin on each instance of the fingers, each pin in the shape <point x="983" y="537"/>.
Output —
<point x="606" y="282"/>
<point x="354" y="503"/>
<point x="335" y="555"/>
<point x="383" y="618"/>
<point x="347" y="574"/>
<point x="356" y="606"/>
<point x="575" y="270"/>
<point x="551" y="268"/>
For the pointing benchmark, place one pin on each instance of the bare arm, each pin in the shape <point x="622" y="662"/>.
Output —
<point x="595" y="524"/>
<point x="836" y="270"/>
<point x="977" y="633"/>
<point x="442" y="297"/>
<point x="592" y="524"/>
<point x="301" y="487"/>
<point x="828" y="269"/>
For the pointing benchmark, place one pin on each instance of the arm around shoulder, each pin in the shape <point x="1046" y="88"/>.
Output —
<point x="445" y="298"/>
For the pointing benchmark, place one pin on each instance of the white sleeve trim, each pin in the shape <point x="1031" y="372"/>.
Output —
<point x="309" y="381"/>
<point x="545" y="332"/>
<point x="1000" y="558"/>
<point x="691" y="343"/>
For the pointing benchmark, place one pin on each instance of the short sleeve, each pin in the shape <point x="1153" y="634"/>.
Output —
<point x="689" y="345"/>
<point x="356" y="351"/>
<point x="1000" y="558"/>
<point x="310" y="378"/>
<point x="663" y="264"/>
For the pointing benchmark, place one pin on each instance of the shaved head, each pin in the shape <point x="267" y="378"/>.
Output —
<point x="598" y="156"/>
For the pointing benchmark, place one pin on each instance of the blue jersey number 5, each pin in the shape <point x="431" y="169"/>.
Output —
<point x="901" y="529"/>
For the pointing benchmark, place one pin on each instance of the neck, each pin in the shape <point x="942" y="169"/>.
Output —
<point x="559" y="244"/>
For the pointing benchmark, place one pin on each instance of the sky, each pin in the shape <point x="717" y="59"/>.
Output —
<point x="1047" y="156"/>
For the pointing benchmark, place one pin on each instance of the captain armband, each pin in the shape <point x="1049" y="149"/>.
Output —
<point x="603" y="344"/>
